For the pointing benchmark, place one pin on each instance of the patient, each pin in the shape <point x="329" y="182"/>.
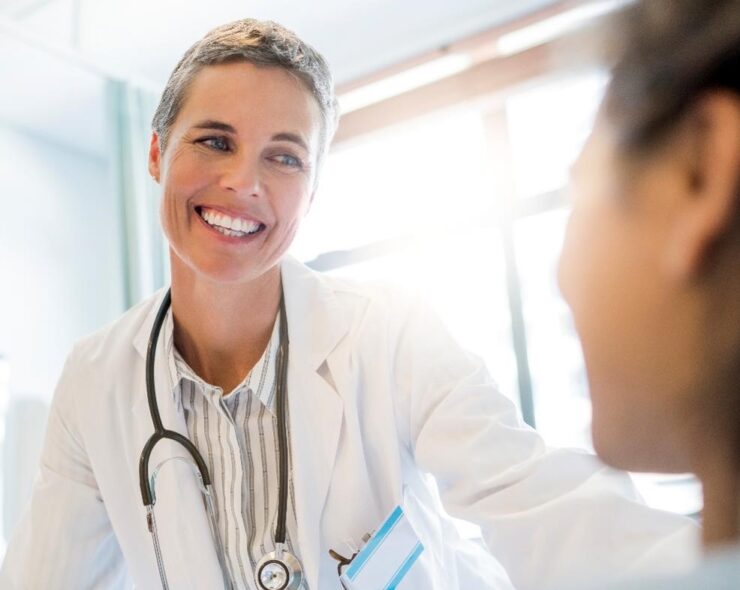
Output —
<point x="651" y="262"/>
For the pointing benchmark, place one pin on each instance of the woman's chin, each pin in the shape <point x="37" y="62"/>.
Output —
<point x="225" y="271"/>
<point x="614" y="453"/>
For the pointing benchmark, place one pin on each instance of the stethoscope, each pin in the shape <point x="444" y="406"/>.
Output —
<point x="279" y="569"/>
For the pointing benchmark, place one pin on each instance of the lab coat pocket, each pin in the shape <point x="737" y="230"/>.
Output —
<point x="387" y="557"/>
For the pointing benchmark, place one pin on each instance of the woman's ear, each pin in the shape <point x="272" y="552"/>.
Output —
<point x="710" y="186"/>
<point x="155" y="156"/>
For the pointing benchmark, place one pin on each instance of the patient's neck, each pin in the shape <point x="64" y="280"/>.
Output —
<point x="720" y="478"/>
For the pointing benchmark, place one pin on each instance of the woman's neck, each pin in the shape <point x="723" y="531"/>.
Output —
<point x="222" y="329"/>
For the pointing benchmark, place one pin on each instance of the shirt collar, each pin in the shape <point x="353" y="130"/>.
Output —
<point x="261" y="379"/>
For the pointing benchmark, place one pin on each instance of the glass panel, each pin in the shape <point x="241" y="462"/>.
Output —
<point x="562" y="406"/>
<point x="463" y="278"/>
<point x="548" y="123"/>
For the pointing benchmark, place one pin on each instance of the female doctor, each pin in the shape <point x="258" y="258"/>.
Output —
<point x="315" y="405"/>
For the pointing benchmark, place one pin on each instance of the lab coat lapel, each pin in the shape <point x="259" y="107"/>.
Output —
<point x="188" y="550"/>
<point x="316" y="323"/>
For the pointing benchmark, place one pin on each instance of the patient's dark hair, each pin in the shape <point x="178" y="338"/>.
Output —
<point x="666" y="54"/>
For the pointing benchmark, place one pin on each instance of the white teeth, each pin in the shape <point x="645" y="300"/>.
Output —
<point x="228" y="232"/>
<point x="229" y="226"/>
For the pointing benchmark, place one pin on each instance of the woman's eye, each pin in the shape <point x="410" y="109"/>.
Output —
<point x="217" y="143"/>
<point x="288" y="160"/>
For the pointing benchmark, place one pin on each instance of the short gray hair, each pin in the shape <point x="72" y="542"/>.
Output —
<point x="262" y="43"/>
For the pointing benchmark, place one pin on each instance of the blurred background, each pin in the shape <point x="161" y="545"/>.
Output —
<point x="448" y="174"/>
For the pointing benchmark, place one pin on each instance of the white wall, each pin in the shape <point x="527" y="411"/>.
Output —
<point x="61" y="273"/>
<point x="60" y="255"/>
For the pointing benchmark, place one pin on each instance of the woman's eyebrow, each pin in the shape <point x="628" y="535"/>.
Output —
<point x="218" y="125"/>
<point x="292" y="137"/>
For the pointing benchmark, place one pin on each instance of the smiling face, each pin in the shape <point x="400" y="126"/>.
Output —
<point x="238" y="171"/>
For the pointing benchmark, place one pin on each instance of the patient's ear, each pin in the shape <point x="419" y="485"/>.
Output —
<point x="710" y="184"/>
<point x="155" y="156"/>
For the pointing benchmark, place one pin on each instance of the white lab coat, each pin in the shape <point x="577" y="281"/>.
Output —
<point x="381" y="399"/>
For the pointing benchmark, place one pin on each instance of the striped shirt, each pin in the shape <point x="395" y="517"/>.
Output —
<point x="237" y="435"/>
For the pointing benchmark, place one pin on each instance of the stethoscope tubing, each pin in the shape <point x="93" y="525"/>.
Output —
<point x="160" y="432"/>
<point x="282" y="420"/>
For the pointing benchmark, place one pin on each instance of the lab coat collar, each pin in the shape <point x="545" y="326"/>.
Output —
<point x="317" y="323"/>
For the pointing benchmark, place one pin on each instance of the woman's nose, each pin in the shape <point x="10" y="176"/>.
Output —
<point x="242" y="176"/>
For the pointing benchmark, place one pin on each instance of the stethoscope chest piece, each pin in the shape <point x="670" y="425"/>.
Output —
<point x="279" y="570"/>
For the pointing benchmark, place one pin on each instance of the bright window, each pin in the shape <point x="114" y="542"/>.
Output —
<point x="413" y="206"/>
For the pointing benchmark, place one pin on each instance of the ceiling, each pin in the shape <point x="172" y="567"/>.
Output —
<point x="51" y="93"/>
